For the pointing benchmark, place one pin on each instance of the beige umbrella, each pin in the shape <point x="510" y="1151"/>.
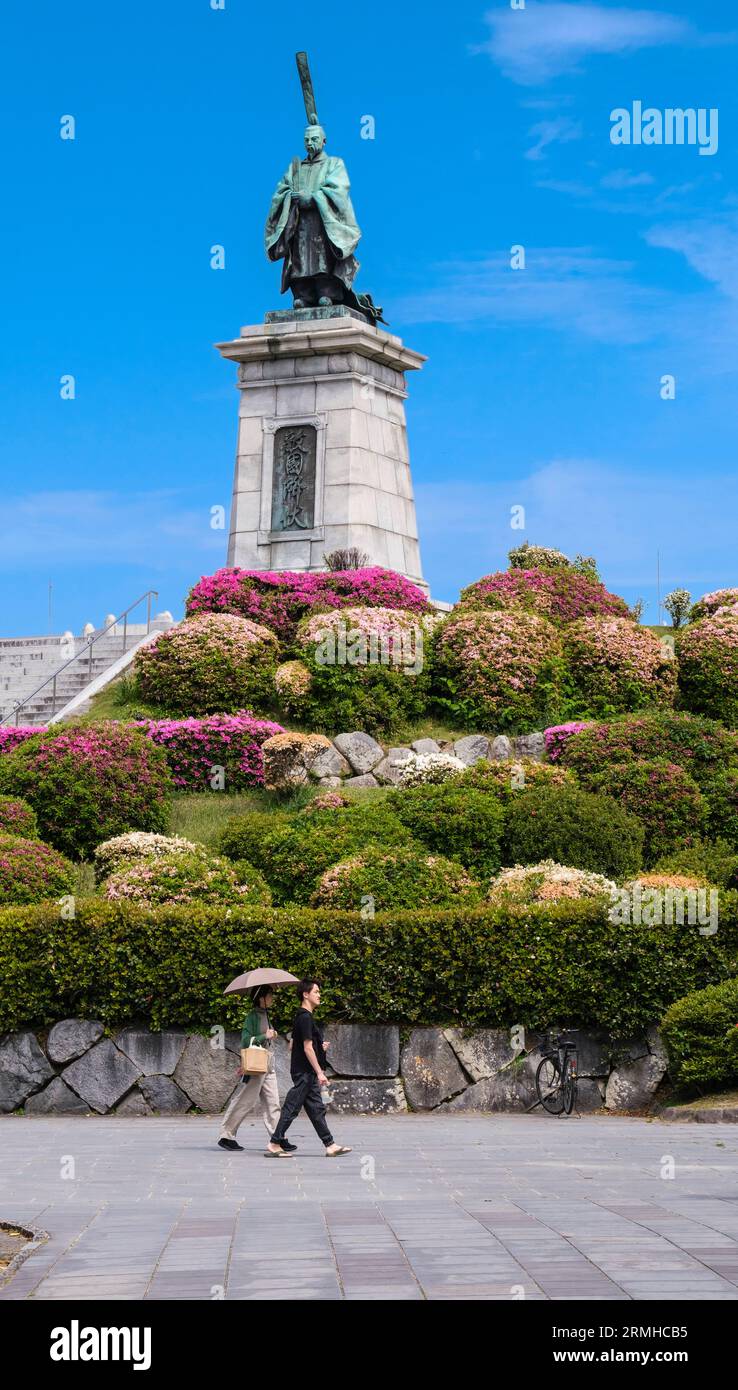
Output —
<point x="265" y="975"/>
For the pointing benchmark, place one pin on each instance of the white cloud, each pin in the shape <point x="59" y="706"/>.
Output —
<point x="542" y="41"/>
<point x="559" y="131"/>
<point x="622" y="178"/>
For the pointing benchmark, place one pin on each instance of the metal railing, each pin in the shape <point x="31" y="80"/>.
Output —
<point x="84" y="656"/>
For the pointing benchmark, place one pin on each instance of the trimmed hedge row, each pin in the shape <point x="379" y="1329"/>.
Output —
<point x="481" y="967"/>
<point x="700" y="1034"/>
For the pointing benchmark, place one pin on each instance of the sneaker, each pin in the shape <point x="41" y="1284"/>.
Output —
<point x="230" y="1144"/>
<point x="287" y="1146"/>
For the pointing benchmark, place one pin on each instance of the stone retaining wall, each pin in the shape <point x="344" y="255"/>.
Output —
<point x="76" y="1069"/>
<point x="356" y="759"/>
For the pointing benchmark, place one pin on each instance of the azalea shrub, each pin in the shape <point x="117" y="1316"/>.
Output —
<point x="506" y="777"/>
<point x="17" y="817"/>
<point x="379" y="879"/>
<point x="498" y="670"/>
<point x="124" y="850"/>
<point x="710" y="861"/>
<point x="615" y="666"/>
<point x="557" y="736"/>
<point x="664" y="797"/>
<point x="527" y="557"/>
<point x="708" y="667"/>
<point x="427" y="769"/>
<point x="31" y="872"/>
<point x="89" y="782"/>
<point x="250" y="835"/>
<point x="211" y="663"/>
<point x="574" y="827"/>
<point x="13" y="734"/>
<point x="561" y="595"/>
<point x="186" y="878"/>
<point x="281" y="600"/>
<point x="362" y="668"/>
<point x="548" y="882"/>
<point x="710" y="604"/>
<point x="220" y="752"/>
<point x="702" y="746"/>
<point x="460" y="823"/>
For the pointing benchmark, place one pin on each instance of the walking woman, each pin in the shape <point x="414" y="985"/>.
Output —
<point x="259" y="1090"/>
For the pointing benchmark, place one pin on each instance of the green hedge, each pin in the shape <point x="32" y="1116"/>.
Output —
<point x="699" y="1032"/>
<point x="475" y="966"/>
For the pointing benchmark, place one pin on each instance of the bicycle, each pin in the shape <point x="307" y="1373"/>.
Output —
<point x="556" y="1074"/>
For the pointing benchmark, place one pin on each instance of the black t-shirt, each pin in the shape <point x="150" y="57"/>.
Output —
<point x="304" y="1030"/>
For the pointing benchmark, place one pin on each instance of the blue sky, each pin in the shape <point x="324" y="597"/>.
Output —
<point x="492" y="129"/>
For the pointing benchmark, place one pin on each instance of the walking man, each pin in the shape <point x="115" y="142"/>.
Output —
<point x="259" y="1090"/>
<point x="306" y="1066"/>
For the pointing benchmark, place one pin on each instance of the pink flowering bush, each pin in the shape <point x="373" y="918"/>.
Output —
<point x="212" y="663"/>
<point x="558" y="735"/>
<point x="561" y="595"/>
<point x="280" y="600"/>
<point x="11" y="735"/>
<point x="662" y="795"/>
<point x="498" y="670"/>
<point x="708" y="667"/>
<point x="17" y="818"/>
<point x="197" y="749"/>
<point x="187" y="878"/>
<point x="368" y="669"/>
<point x="710" y="604"/>
<point x="31" y="872"/>
<point x="615" y="666"/>
<point x="87" y="783"/>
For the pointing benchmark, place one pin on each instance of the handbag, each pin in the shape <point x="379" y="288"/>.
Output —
<point x="254" y="1060"/>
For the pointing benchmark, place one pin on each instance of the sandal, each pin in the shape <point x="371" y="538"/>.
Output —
<point x="283" y="1153"/>
<point x="338" y="1153"/>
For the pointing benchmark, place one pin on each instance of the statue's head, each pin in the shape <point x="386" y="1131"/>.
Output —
<point x="314" y="140"/>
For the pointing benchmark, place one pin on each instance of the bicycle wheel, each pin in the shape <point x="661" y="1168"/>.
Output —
<point x="548" y="1085"/>
<point x="569" y="1084"/>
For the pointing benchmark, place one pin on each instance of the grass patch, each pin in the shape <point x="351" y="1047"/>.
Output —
<point x="201" y="816"/>
<point x="119" y="701"/>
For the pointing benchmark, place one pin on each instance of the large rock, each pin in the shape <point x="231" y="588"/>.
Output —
<point x="531" y="746"/>
<point x="281" y="1054"/>
<point x="328" y="762"/>
<point x="206" y="1074"/>
<point x="155" y="1054"/>
<point x="472" y="749"/>
<point x="390" y="769"/>
<point x="164" y="1095"/>
<point x="502" y="1092"/>
<point x="133" y="1104"/>
<point x="55" y="1099"/>
<point x="593" y="1053"/>
<point x="290" y="757"/>
<point x="482" y="1053"/>
<point x="362" y="751"/>
<point x="425" y="746"/>
<point x="501" y="748"/>
<point x="71" y="1038"/>
<point x="366" y="779"/>
<point x="657" y="1046"/>
<point x="23" y="1070"/>
<point x="363" y="1049"/>
<point x="429" y="1069"/>
<point x="633" y="1086"/>
<point x="101" y="1076"/>
<point x="367" y="1097"/>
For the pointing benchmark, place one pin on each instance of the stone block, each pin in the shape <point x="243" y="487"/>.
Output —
<point x="329" y="782"/>
<point x="425" y="746"/>
<point x="364" y="1049"/>
<point x="430" y="1070"/>
<point x="72" y="1037"/>
<point x="206" y="1074"/>
<point x="163" y="1094"/>
<point x="329" y="762"/>
<point x="633" y="1086"/>
<point x="55" y="1099"/>
<point x="367" y="1097"/>
<point x="593" y="1053"/>
<point x="133" y="1104"/>
<point x="531" y="746"/>
<point x="502" y="1092"/>
<point x="360" y="749"/>
<point x="500" y="748"/>
<point x="472" y="749"/>
<point x="366" y="779"/>
<point x="23" y="1070"/>
<point x="481" y="1053"/>
<point x="297" y="399"/>
<point x="101" y="1076"/>
<point x="155" y="1054"/>
<point x="390" y="769"/>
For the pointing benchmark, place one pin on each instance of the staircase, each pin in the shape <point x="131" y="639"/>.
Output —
<point x="45" y="679"/>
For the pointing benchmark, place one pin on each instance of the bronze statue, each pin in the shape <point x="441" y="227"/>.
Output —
<point x="311" y="224"/>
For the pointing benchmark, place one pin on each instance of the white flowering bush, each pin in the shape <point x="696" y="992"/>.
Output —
<point x="123" y="850"/>
<point x="424" y="769"/>
<point x="187" y="878"/>
<point x="548" y="882"/>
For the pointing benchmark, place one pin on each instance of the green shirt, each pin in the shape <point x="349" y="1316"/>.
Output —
<point x="254" y="1028"/>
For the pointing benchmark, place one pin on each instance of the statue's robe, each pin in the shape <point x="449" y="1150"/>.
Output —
<point x="321" y="239"/>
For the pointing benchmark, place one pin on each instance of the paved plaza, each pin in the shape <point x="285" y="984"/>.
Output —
<point x="426" y="1207"/>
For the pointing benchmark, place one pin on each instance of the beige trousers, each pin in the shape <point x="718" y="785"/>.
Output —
<point x="259" y="1090"/>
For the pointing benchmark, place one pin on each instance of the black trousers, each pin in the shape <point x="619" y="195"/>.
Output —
<point x="304" y="1092"/>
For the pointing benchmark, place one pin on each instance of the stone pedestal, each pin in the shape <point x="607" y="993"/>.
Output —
<point x="322" y="458"/>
